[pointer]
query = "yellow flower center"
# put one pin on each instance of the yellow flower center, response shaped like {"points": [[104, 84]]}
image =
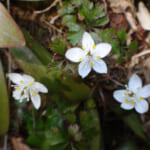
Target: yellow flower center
{"points": [[18, 88], [33, 93], [132, 102], [93, 46], [31, 84], [84, 48], [21, 81], [126, 100], [138, 88], [125, 94], [141, 97], [91, 63], [128, 90], [80, 59], [98, 57]]}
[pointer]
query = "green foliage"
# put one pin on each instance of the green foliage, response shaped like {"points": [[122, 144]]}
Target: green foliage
{"points": [[58, 45], [4, 104], [122, 35], [75, 37], [11, 35]]}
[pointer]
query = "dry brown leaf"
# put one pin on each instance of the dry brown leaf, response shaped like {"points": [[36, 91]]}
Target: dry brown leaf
{"points": [[143, 16], [131, 20], [119, 6], [18, 144]]}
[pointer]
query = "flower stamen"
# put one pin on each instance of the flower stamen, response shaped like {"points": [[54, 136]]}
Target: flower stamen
{"points": [[128, 90], [98, 57], [31, 84], [138, 88], [141, 97], [18, 88], [84, 48], [126, 100], [91, 63], [93, 46], [21, 81], [80, 59], [33, 93], [125, 94], [133, 103]]}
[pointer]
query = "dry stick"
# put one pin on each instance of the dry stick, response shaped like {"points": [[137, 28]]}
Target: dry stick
{"points": [[5, 142], [48, 8]]}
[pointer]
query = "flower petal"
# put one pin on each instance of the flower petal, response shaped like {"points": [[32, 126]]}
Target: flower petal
{"points": [[75, 54], [127, 106], [87, 41], [141, 106], [84, 68], [99, 66], [28, 78], [119, 95], [40, 87], [135, 83], [15, 77], [17, 94], [36, 99], [145, 91], [101, 50]]}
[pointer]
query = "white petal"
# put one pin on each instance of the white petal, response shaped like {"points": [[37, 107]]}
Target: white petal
{"points": [[119, 95], [102, 50], [75, 54], [141, 106], [36, 99], [145, 91], [17, 94], [127, 106], [28, 78], [87, 41], [15, 77], [84, 68], [100, 66], [134, 83], [40, 87]]}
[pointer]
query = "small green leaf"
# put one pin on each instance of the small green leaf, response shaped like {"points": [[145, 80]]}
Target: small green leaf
{"points": [[74, 27], [10, 34], [58, 45], [133, 46], [4, 104], [116, 47], [101, 21], [122, 35], [68, 19], [75, 38], [76, 2]]}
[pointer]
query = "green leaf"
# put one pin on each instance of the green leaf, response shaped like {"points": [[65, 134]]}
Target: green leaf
{"points": [[122, 35], [116, 47], [68, 19], [75, 38], [38, 50], [54, 136], [66, 9], [4, 104], [74, 27], [76, 2], [133, 46], [132, 120], [10, 33], [101, 21], [58, 45]]}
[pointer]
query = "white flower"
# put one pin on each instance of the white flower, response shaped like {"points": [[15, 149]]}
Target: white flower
{"points": [[89, 56], [26, 88], [134, 95]]}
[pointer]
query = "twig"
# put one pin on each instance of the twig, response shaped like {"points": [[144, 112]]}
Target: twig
{"points": [[5, 142], [48, 8], [117, 82]]}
